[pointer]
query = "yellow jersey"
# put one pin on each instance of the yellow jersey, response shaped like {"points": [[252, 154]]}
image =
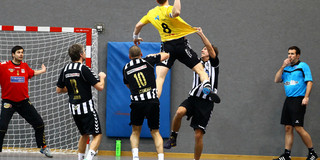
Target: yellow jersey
{"points": [[169, 28]]}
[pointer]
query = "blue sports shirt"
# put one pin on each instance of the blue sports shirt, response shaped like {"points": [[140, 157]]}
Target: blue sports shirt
{"points": [[295, 79]]}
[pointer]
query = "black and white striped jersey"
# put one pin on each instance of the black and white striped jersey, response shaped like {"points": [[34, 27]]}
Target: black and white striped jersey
{"points": [[211, 67], [139, 75], [82, 108], [78, 78]]}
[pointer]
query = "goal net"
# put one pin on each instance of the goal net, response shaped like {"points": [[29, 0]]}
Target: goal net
{"points": [[48, 46]]}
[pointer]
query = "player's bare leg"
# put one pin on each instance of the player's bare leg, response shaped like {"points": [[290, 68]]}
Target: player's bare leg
{"points": [[134, 140], [176, 123], [198, 146], [161, 72], [82, 146], [95, 142], [158, 142], [288, 137]]}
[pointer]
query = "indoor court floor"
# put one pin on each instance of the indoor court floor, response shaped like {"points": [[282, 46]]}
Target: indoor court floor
{"points": [[39, 156]]}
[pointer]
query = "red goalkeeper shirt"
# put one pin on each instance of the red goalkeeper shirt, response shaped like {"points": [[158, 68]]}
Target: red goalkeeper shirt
{"points": [[14, 80]]}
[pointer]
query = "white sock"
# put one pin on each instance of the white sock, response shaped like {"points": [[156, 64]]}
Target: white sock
{"points": [[160, 156], [80, 156], [90, 154], [135, 153]]}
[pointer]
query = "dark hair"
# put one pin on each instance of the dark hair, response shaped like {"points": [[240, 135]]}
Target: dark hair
{"points": [[75, 51], [295, 48], [15, 48], [134, 51], [214, 48], [161, 1]]}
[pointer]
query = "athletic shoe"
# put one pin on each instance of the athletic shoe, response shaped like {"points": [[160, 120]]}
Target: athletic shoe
{"points": [[207, 90], [283, 157], [135, 158], [172, 142], [312, 156], [46, 152]]}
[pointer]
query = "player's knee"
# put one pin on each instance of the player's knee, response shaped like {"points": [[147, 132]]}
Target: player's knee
{"points": [[198, 136], [299, 129], [181, 112], [288, 128]]}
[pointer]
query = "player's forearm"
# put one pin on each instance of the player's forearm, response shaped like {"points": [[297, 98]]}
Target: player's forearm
{"points": [[308, 90], [37, 72], [208, 45], [61, 90], [100, 85], [277, 77], [176, 8], [138, 28]]}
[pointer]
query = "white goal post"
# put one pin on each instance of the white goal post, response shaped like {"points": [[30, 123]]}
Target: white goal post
{"points": [[49, 46]]}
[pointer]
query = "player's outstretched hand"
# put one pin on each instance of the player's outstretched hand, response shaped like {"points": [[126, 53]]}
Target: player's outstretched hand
{"points": [[43, 68], [137, 41], [199, 29]]}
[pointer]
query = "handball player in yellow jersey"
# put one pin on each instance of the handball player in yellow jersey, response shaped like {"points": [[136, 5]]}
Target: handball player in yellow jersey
{"points": [[173, 29]]}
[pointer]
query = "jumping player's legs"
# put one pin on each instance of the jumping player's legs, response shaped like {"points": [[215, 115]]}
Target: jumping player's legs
{"points": [[176, 123], [200, 71], [198, 146], [161, 72]]}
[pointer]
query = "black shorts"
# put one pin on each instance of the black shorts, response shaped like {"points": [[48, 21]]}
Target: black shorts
{"points": [[88, 123], [200, 110], [293, 112], [149, 110], [181, 50], [24, 108]]}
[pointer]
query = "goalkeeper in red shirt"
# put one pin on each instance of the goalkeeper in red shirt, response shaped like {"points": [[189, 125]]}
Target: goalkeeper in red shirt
{"points": [[14, 76]]}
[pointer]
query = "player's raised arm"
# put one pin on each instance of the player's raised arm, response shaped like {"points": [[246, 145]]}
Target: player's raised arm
{"points": [[206, 42], [136, 33], [100, 85], [42, 70], [176, 8]]}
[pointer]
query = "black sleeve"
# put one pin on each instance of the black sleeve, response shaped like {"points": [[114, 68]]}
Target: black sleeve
{"points": [[60, 82], [153, 59], [89, 75], [214, 61], [125, 81]]}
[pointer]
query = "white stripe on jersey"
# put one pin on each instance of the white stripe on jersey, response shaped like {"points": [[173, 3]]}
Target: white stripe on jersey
{"points": [[142, 97], [85, 108], [91, 105], [82, 108], [197, 86], [77, 108], [75, 65], [137, 61], [149, 95], [152, 94]]}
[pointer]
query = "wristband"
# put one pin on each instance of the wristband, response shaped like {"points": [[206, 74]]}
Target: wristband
{"points": [[136, 36]]}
